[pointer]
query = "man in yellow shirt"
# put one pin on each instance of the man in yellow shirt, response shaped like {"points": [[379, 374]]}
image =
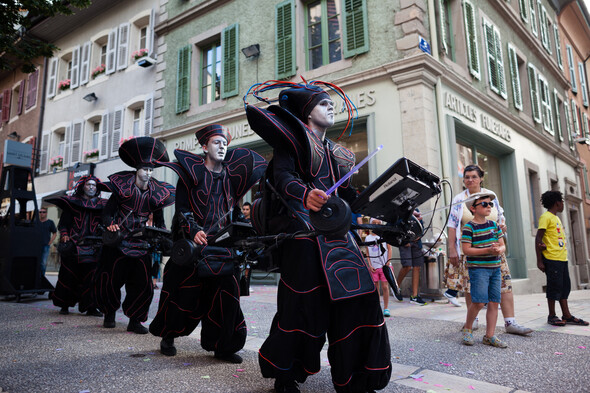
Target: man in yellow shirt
{"points": [[552, 259]]}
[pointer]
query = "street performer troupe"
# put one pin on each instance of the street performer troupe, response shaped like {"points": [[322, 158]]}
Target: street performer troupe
{"points": [[326, 288], [79, 222], [206, 290], [135, 194]]}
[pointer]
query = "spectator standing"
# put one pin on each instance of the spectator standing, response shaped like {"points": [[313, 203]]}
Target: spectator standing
{"points": [[49, 231], [378, 256], [455, 273], [412, 259], [551, 250], [483, 244]]}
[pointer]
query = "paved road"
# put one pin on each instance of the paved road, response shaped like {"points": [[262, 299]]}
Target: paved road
{"points": [[42, 351]]}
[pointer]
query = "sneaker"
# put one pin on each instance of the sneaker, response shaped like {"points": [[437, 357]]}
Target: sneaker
{"points": [[417, 300], [453, 300], [467, 337], [515, 328], [386, 313], [494, 342]]}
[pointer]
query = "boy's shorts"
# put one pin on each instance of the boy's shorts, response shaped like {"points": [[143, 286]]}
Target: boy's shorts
{"points": [[411, 256], [485, 284], [378, 275], [558, 279]]}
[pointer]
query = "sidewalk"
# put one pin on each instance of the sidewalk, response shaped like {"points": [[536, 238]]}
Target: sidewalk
{"points": [[43, 351]]}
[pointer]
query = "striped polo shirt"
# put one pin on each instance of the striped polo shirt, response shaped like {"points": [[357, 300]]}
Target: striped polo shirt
{"points": [[482, 236]]}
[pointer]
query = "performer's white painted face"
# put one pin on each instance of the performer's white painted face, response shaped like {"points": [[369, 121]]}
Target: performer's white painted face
{"points": [[144, 174], [90, 188], [216, 148], [322, 114]]}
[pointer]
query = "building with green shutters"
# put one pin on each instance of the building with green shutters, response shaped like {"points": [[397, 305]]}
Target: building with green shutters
{"points": [[443, 82]]}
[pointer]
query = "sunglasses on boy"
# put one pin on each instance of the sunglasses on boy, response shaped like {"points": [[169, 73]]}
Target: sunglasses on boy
{"points": [[484, 204]]}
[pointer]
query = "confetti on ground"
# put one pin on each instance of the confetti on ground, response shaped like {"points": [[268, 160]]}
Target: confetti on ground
{"points": [[470, 372], [240, 370], [559, 353], [446, 364], [438, 385], [416, 376], [474, 353], [411, 349], [518, 352], [84, 391], [59, 349], [234, 375], [581, 347], [186, 364], [471, 387], [205, 377], [146, 359]]}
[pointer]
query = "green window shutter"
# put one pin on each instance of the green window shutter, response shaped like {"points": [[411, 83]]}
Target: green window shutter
{"points": [[229, 66], [500, 64], [575, 118], [523, 9], [533, 87], [533, 17], [183, 79], [285, 40], [556, 106], [471, 38], [491, 57], [558, 46], [355, 26], [515, 77]]}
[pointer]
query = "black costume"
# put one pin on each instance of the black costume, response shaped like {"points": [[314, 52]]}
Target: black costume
{"points": [[130, 263], [325, 287], [203, 198], [80, 218]]}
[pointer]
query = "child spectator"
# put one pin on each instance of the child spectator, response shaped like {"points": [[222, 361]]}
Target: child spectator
{"points": [[552, 259], [378, 256], [482, 244]]}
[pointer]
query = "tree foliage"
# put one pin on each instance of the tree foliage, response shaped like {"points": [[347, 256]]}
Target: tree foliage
{"points": [[18, 47]]}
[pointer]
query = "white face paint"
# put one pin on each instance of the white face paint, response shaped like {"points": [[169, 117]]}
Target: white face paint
{"points": [[90, 188], [322, 115], [216, 148]]}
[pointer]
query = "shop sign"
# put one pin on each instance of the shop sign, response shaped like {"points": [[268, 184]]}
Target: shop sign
{"points": [[237, 132], [360, 100], [469, 112]]}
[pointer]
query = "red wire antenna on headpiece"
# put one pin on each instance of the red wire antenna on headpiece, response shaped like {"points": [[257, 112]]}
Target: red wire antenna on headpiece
{"points": [[257, 89]]}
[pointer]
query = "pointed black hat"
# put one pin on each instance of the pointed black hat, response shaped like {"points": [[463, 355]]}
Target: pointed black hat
{"points": [[205, 133], [300, 101], [143, 151]]}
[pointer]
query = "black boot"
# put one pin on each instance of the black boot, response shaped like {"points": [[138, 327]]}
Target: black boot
{"points": [[167, 347], [109, 320], [136, 327], [93, 312], [229, 357], [286, 386], [64, 311]]}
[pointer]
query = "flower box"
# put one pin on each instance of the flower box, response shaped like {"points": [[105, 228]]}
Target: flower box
{"points": [[98, 70], [138, 54], [56, 162], [91, 155], [123, 140], [64, 85]]}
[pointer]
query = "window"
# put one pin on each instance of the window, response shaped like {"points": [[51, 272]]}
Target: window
{"points": [[143, 38], [544, 26], [495, 59], [570, 61], [583, 87], [323, 35], [515, 77], [5, 101], [136, 122], [210, 73], [535, 196], [32, 90], [534, 90], [471, 38], [446, 29], [95, 135], [586, 183], [568, 125], [546, 104], [533, 17], [558, 110], [229, 67], [52, 78], [558, 46], [103, 55], [17, 98], [585, 125], [575, 118]]}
